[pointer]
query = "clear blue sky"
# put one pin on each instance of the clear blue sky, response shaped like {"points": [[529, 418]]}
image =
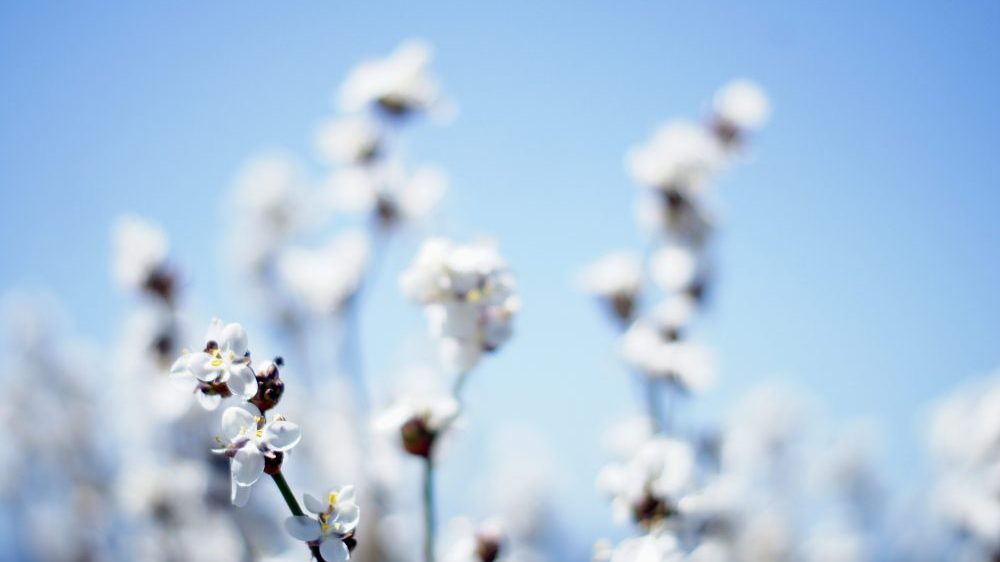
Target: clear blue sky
{"points": [[859, 255]]}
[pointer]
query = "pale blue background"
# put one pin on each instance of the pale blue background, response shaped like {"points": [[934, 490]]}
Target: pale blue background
{"points": [[859, 254]]}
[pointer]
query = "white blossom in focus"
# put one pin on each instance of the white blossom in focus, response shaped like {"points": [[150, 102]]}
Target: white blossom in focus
{"points": [[141, 249], [326, 278], [248, 440], [741, 104], [397, 84], [679, 156], [333, 520], [225, 360]]}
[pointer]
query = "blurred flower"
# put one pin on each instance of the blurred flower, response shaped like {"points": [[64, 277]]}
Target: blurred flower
{"points": [[326, 278], [418, 418], [348, 140], [249, 441], [464, 542], [615, 279], [739, 106], [223, 368], [655, 547], [680, 156], [141, 249], [655, 352], [468, 295], [674, 267], [335, 520], [648, 486], [387, 192], [397, 84]]}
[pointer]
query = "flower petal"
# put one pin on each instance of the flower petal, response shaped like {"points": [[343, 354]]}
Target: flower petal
{"points": [[247, 464], [345, 494], [281, 435], [242, 381], [209, 401], [204, 367], [233, 338], [347, 515], [303, 528], [237, 421], [334, 550], [313, 505], [214, 332], [239, 495]]}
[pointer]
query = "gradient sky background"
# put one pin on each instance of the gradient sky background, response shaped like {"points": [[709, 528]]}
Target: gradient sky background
{"points": [[858, 256]]}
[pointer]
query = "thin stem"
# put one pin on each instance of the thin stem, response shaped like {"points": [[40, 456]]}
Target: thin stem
{"points": [[428, 510], [653, 407], [286, 493]]}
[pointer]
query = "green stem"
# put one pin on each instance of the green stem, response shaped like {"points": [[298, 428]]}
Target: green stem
{"points": [[286, 493], [429, 510]]}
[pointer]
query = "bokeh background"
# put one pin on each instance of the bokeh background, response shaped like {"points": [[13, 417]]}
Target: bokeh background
{"points": [[857, 258]]}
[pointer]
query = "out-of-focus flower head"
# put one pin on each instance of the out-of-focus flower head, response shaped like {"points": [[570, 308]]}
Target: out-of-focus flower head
{"points": [[739, 106], [675, 267], [326, 278], [648, 486], [653, 547], [679, 157], [469, 296], [140, 257], [656, 352], [418, 416], [221, 369], [763, 426], [349, 140], [388, 192], [397, 85], [253, 445], [616, 280], [465, 542], [331, 526]]}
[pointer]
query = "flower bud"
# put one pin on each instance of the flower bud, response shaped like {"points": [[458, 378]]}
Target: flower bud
{"points": [[272, 462], [270, 387], [418, 438]]}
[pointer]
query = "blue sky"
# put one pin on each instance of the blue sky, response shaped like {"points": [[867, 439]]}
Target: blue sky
{"points": [[859, 251]]}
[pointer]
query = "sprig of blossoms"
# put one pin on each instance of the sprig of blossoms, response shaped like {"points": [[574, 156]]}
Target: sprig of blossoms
{"points": [[257, 444]]}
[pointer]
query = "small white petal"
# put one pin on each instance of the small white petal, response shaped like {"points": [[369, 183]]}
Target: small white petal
{"points": [[239, 495], [233, 338], [334, 550], [347, 515], [242, 381], [282, 435], [247, 465], [346, 494], [303, 528], [209, 401], [237, 421], [313, 505], [214, 332], [204, 367]]}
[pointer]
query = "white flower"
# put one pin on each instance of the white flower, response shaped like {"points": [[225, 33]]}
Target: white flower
{"points": [[656, 547], [326, 278], [742, 104], [398, 84], [616, 275], [674, 267], [225, 361], [649, 486], [248, 440], [469, 297], [335, 519], [348, 140], [679, 156], [140, 251], [654, 353], [388, 191], [464, 542]]}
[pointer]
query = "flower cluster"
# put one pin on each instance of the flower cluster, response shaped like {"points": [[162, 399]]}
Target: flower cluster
{"points": [[257, 443], [469, 297]]}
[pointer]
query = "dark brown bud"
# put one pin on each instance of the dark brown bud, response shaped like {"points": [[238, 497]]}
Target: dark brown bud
{"points": [[418, 438], [650, 510], [387, 212], [487, 548], [162, 284], [394, 106], [622, 307], [270, 387]]}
